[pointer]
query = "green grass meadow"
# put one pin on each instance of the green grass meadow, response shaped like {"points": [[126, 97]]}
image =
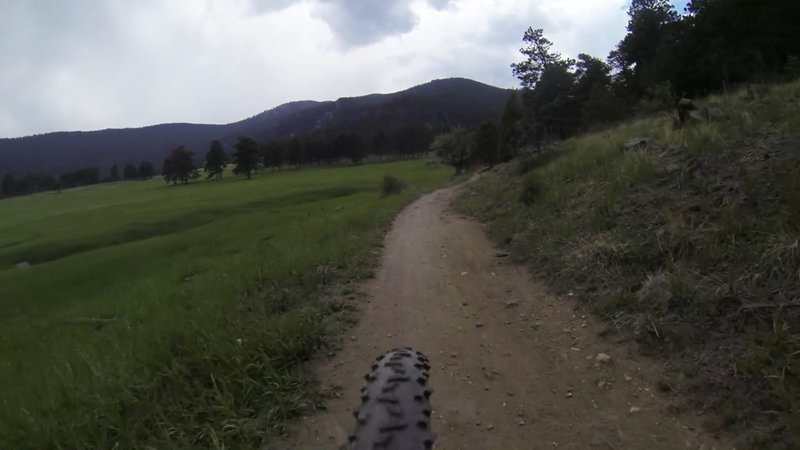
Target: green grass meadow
{"points": [[180, 316]]}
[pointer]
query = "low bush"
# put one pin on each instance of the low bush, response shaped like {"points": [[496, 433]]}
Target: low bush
{"points": [[391, 185]]}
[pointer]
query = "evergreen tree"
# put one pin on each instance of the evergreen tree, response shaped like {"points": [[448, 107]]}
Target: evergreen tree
{"points": [[509, 132], [602, 106], [274, 155], [9, 185], [295, 152], [179, 167], [129, 172], [216, 159], [486, 143], [538, 57], [146, 169], [246, 157], [349, 146], [555, 113], [380, 144], [590, 72], [80, 177]]}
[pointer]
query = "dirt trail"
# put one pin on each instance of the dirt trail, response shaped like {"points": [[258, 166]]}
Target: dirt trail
{"points": [[505, 375]]}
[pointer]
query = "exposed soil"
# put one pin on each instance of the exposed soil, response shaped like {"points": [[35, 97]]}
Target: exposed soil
{"points": [[514, 366]]}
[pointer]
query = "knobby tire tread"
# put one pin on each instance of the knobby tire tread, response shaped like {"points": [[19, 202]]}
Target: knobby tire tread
{"points": [[395, 405]]}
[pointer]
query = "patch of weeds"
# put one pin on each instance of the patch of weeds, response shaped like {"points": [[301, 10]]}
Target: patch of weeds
{"points": [[656, 293], [532, 186], [776, 361], [391, 185], [789, 185], [746, 121], [659, 97], [530, 161], [703, 138]]}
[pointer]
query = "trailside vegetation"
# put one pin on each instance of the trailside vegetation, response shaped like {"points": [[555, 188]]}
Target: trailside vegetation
{"points": [[685, 240], [681, 225]]}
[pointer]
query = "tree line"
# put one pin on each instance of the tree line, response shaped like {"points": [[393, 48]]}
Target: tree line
{"points": [[665, 56], [32, 183], [663, 59], [490, 143], [249, 156]]}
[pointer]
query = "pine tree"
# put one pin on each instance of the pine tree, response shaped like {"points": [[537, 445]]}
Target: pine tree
{"points": [[9, 185], [146, 169], [179, 167], [129, 172], [245, 157], [509, 132], [486, 143], [216, 159]]}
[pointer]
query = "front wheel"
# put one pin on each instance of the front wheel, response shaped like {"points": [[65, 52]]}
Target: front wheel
{"points": [[395, 405]]}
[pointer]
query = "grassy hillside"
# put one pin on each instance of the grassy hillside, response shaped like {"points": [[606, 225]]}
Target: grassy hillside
{"points": [[180, 316], [687, 242]]}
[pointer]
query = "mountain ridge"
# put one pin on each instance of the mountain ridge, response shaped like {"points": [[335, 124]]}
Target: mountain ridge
{"points": [[435, 105]]}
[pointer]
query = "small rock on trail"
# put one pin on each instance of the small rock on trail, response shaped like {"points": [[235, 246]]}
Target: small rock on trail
{"points": [[603, 358]]}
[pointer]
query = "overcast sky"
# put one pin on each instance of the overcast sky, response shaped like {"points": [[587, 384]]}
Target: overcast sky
{"points": [[93, 64]]}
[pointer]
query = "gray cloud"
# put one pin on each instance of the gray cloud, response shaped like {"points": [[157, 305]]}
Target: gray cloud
{"points": [[90, 64], [362, 22], [269, 6], [439, 4], [48, 46]]}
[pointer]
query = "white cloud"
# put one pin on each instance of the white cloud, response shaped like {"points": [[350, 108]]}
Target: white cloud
{"points": [[84, 64]]}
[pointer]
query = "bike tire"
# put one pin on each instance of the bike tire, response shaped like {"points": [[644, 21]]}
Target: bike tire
{"points": [[395, 405]]}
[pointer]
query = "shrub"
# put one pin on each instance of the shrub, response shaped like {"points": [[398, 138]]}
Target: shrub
{"points": [[532, 186], [391, 185]]}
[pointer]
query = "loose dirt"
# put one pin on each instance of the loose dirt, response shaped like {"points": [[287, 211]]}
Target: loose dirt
{"points": [[514, 366]]}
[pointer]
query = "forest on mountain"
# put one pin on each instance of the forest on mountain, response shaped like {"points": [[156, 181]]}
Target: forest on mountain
{"points": [[398, 124]]}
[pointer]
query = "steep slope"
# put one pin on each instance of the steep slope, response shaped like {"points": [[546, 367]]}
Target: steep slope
{"points": [[434, 105], [686, 241]]}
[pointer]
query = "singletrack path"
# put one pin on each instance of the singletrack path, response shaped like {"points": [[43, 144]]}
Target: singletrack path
{"points": [[513, 366]]}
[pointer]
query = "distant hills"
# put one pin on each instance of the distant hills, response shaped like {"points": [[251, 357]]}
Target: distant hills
{"points": [[435, 106]]}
